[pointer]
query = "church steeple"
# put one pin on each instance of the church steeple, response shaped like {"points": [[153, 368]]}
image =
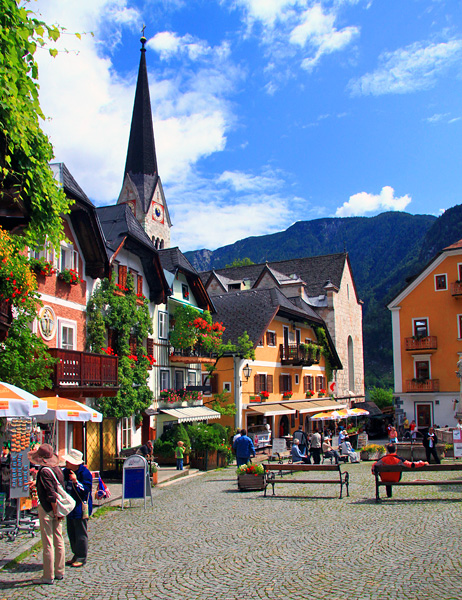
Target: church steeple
{"points": [[142, 187], [141, 153]]}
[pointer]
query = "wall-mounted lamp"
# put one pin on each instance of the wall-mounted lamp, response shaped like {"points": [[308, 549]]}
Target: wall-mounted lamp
{"points": [[247, 372]]}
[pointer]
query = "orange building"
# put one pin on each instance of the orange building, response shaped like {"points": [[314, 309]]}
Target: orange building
{"points": [[427, 342], [289, 379]]}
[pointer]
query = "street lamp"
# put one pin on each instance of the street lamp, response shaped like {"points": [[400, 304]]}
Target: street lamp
{"points": [[247, 372]]}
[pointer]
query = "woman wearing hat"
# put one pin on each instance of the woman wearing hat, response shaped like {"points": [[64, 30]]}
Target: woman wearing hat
{"points": [[51, 526], [78, 484]]}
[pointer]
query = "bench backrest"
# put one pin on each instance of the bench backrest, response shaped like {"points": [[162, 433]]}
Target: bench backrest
{"points": [[300, 467], [428, 468]]}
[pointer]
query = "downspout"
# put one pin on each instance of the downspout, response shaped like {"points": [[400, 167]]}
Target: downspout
{"points": [[238, 366]]}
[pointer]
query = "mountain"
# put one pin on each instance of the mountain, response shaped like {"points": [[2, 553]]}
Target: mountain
{"points": [[384, 251]]}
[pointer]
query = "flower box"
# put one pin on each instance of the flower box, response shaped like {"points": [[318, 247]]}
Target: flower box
{"points": [[247, 482]]}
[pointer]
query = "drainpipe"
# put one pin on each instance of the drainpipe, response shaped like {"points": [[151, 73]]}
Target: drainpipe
{"points": [[238, 366]]}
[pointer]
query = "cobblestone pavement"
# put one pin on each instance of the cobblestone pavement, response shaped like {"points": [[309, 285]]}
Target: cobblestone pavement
{"points": [[205, 540]]}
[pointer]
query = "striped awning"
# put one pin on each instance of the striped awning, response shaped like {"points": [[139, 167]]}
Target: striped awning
{"points": [[190, 414], [315, 406], [270, 410]]}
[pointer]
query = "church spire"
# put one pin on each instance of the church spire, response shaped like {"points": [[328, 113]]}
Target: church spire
{"points": [[141, 153]]}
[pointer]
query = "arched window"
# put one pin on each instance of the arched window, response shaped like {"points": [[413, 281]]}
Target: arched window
{"points": [[161, 244], [351, 365]]}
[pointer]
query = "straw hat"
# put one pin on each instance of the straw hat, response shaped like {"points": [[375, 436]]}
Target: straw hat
{"points": [[44, 456], [75, 457]]}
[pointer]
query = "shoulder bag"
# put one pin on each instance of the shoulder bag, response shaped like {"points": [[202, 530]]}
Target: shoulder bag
{"points": [[65, 503]]}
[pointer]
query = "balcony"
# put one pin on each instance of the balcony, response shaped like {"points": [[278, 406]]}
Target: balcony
{"points": [[189, 356], [84, 374], [171, 398], [297, 354], [456, 289], [427, 343], [426, 385]]}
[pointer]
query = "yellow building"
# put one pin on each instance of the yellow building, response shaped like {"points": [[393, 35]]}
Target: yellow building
{"points": [[274, 389], [427, 342]]}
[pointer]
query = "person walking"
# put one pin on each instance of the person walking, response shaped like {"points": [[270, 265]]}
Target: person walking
{"points": [[315, 448], [243, 448], [179, 453], [300, 435], [429, 442], [78, 481], [51, 526]]}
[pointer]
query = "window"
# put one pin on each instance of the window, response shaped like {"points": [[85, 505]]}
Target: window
{"points": [[261, 342], [308, 383], [191, 377], [69, 258], [263, 383], [227, 386], [212, 383], [164, 379], [351, 364], [320, 383], [45, 253], [163, 325], [67, 334], [459, 272], [179, 380], [441, 282], [185, 291], [297, 379], [127, 432], [422, 369], [285, 383], [271, 338], [459, 326], [420, 328]]}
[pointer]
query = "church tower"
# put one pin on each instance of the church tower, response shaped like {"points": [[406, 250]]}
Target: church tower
{"points": [[142, 187]]}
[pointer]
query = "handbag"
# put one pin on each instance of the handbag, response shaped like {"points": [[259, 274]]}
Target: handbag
{"points": [[65, 503], [85, 507]]}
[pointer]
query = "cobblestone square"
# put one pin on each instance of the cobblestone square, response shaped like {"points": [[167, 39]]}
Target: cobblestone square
{"points": [[203, 539]]}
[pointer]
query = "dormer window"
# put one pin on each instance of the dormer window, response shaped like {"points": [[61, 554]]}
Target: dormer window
{"points": [[185, 290]]}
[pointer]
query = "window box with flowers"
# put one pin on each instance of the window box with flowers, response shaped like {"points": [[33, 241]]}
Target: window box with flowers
{"points": [[321, 393], [250, 477], [69, 276], [288, 394], [264, 395], [309, 394], [42, 267]]}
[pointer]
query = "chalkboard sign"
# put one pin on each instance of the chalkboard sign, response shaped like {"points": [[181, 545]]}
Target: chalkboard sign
{"points": [[135, 483]]}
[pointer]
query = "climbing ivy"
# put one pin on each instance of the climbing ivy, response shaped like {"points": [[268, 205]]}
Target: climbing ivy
{"points": [[122, 313], [326, 352], [26, 179]]}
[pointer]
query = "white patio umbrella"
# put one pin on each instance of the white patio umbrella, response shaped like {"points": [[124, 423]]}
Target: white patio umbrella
{"points": [[64, 409], [15, 402]]}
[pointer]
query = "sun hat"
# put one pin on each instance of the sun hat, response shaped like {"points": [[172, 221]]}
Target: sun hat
{"points": [[44, 456], [75, 457]]}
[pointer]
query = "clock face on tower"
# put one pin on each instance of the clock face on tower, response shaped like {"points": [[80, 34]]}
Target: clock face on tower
{"points": [[158, 212]]}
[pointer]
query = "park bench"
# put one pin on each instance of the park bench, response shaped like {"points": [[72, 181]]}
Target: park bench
{"points": [[271, 470], [446, 468]]}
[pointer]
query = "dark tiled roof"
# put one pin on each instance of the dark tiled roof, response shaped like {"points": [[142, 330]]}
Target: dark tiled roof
{"points": [[117, 222], [70, 185], [253, 311], [173, 259], [315, 271]]}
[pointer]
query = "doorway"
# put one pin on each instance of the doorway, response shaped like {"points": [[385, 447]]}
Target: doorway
{"points": [[423, 415]]}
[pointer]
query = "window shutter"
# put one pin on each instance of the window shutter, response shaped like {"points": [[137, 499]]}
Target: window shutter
{"points": [[214, 383], [305, 383], [289, 380], [139, 284], [269, 384], [281, 383], [122, 275], [268, 338], [257, 384], [150, 347]]}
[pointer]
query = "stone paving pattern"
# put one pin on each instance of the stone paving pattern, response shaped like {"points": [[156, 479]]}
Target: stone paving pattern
{"points": [[203, 539]]}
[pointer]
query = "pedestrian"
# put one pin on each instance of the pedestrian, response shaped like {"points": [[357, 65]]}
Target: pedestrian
{"points": [[51, 526], [315, 448], [243, 448], [146, 449], [413, 430], [406, 427], [392, 434], [429, 442], [297, 455], [391, 458], [300, 435], [459, 424], [179, 453], [78, 481]]}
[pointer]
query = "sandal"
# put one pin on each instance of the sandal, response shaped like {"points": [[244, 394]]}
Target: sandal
{"points": [[77, 564]]}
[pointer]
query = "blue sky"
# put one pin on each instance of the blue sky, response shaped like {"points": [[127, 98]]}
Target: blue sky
{"points": [[266, 112]]}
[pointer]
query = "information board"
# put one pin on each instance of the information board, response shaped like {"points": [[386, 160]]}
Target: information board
{"points": [[19, 474], [135, 479], [457, 441]]}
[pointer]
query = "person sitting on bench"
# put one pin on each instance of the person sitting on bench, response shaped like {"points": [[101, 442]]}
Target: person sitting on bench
{"points": [[329, 452], [391, 458], [347, 450], [297, 456]]}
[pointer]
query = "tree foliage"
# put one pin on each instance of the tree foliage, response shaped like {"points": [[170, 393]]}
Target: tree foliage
{"points": [[381, 396], [241, 262], [128, 320], [26, 180]]}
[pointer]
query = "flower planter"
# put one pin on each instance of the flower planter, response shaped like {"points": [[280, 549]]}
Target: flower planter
{"points": [[366, 455], [155, 478], [248, 482]]}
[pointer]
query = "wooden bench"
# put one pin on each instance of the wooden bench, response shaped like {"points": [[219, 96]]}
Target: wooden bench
{"points": [[446, 468], [271, 479]]}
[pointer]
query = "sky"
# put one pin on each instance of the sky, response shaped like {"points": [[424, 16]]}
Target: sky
{"points": [[266, 112]]}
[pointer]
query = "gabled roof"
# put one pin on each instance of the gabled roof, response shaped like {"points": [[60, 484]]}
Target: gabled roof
{"points": [[174, 261], [85, 223], [280, 278], [122, 230], [315, 271]]}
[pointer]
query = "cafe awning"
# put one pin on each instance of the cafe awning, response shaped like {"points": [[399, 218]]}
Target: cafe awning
{"points": [[314, 406], [190, 414], [270, 410], [63, 409]]}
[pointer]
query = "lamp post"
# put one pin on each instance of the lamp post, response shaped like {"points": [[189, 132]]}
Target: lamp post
{"points": [[247, 371]]}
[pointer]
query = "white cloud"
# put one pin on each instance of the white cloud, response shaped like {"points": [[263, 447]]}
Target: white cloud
{"points": [[268, 11], [248, 182], [416, 67], [169, 44], [363, 203], [90, 105]]}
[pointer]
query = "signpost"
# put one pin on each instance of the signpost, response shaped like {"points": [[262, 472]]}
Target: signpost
{"points": [[135, 480], [457, 440]]}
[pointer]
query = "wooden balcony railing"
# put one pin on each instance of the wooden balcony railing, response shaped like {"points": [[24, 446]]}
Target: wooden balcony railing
{"points": [[456, 289], [428, 385], [84, 370], [197, 354], [296, 354], [425, 343]]}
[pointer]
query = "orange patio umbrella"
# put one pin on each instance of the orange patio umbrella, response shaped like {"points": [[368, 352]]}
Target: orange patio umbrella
{"points": [[64, 409]]}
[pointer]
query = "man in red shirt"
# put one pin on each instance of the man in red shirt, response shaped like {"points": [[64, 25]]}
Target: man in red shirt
{"points": [[391, 458]]}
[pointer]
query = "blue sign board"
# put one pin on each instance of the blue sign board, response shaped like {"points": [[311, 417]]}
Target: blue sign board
{"points": [[135, 483]]}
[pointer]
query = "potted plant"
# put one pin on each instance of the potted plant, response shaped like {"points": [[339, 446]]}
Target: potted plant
{"points": [[321, 393], [250, 477], [372, 452], [309, 394], [42, 266], [264, 395], [154, 473], [449, 450], [286, 395]]}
